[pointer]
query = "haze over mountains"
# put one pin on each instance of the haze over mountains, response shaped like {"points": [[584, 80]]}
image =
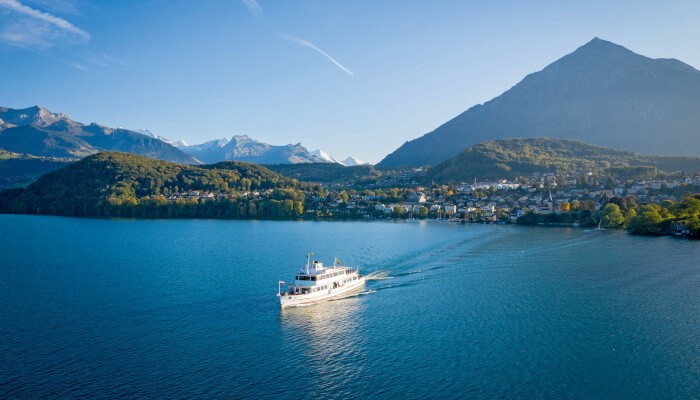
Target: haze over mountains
{"points": [[602, 93]]}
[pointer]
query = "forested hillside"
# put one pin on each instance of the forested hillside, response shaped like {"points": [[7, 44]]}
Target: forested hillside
{"points": [[511, 158], [114, 183], [326, 172]]}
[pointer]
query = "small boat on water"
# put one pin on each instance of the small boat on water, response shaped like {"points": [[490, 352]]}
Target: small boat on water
{"points": [[315, 283]]}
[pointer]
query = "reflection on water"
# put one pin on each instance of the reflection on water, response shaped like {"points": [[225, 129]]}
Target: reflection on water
{"points": [[325, 336]]}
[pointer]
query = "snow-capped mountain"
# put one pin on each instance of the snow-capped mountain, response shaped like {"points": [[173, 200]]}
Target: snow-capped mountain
{"points": [[244, 148], [148, 133], [324, 156], [348, 162], [352, 161]]}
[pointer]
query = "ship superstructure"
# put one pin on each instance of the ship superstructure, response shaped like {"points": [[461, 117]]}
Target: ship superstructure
{"points": [[315, 282]]}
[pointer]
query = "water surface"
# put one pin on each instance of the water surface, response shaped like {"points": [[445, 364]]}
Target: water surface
{"points": [[187, 308]]}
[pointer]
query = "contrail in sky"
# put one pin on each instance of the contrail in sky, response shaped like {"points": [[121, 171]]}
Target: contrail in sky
{"points": [[52, 19], [312, 46]]}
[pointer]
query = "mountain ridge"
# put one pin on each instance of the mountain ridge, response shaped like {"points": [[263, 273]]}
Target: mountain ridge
{"points": [[247, 149], [39, 132], [601, 93]]}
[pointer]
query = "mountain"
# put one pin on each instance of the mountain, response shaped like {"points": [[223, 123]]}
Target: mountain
{"points": [[602, 93], [324, 156], [34, 116], [243, 148], [148, 133], [111, 183], [39, 132], [353, 161], [511, 158]]}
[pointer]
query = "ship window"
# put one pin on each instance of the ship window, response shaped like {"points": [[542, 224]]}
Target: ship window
{"points": [[313, 278]]}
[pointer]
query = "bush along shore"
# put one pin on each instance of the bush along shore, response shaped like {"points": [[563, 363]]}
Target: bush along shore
{"points": [[668, 218]]}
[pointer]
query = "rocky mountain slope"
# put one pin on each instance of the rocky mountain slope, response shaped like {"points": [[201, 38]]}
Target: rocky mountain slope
{"points": [[39, 132]]}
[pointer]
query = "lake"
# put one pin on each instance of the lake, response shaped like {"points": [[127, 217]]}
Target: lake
{"points": [[95, 308]]}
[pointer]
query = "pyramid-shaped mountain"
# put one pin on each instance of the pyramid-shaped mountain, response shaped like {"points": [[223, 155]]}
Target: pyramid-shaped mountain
{"points": [[602, 93]]}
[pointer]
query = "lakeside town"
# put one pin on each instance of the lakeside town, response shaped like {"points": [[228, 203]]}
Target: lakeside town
{"points": [[498, 201]]}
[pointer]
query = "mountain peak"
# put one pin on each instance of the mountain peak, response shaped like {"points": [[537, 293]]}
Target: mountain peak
{"points": [[353, 161], [601, 93], [35, 116], [37, 131], [324, 156], [598, 46]]}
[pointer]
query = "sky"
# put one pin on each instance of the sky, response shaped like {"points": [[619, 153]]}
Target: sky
{"points": [[350, 77]]}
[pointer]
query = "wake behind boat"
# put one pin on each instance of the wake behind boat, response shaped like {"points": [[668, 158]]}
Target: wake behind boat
{"points": [[316, 282]]}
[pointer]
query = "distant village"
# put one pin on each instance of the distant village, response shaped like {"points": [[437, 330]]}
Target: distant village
{"points": [[493, 201]]}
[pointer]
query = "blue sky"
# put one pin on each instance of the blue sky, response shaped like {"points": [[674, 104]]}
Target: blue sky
{"points": [[350, 77]]}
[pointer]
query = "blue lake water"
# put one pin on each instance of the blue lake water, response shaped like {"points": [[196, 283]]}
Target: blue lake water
{"points": [[94, 308]]}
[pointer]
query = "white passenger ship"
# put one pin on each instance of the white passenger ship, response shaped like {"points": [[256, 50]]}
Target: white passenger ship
{"points": [[316, 282]]}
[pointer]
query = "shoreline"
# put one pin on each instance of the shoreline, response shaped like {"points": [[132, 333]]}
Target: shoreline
{"points": [[352, 219]]}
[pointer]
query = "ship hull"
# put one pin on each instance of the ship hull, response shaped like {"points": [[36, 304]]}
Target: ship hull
{"points": [[302, 300]]}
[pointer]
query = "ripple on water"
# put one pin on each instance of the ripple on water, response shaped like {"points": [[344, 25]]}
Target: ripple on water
{"points": [[183, 309]]}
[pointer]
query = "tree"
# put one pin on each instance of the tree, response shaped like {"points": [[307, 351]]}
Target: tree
{"points": [[423, 212], [629, 215], [588, 205], [693, 224], [298, 208], [565, 206], [646, 223], [287, 208], [667, 204], [611, 216], [246, 184], [561, 180], [620, 201]]}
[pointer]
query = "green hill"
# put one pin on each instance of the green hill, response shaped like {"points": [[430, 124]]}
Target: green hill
{"points": [[110, 179], [20, 169], [326, 172], [510, 158]]}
